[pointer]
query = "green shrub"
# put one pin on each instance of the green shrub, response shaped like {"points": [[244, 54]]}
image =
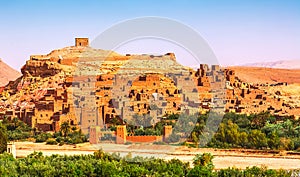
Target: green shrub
{"points": [[42, 137], [51, 142], [59, 139]]}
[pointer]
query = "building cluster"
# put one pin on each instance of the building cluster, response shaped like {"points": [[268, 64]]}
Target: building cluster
{"points": [[93, 88]]}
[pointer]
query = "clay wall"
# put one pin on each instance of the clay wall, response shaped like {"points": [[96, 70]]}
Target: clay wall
{"points": [[143, 139]]}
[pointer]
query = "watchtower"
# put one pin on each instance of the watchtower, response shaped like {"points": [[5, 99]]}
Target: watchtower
{"points": [[95, 134], [121, 134], [84, 42], [167, 132]]}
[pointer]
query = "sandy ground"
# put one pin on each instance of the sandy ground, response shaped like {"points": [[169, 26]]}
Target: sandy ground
{"points": [[223, 158]]}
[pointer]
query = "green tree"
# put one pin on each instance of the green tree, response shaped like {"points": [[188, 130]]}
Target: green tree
{"points": [[15, 122], [243, 139], [65, 128], [3, 138], [273, 140], [257, 139], [259, 120], [203, 165], [228, 133], [8, 165], [195, 138]]}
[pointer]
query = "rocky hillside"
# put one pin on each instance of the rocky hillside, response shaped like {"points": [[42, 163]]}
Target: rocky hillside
{"points": [[7, 74]]}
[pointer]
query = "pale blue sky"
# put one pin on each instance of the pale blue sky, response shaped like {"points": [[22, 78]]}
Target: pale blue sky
{"points": [[238, 31]]}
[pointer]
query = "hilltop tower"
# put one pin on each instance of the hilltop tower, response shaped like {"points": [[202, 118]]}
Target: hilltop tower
{"points": [[84, 42]]}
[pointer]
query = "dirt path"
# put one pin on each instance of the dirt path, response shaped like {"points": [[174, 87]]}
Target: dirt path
{"points": [[223, 158]]}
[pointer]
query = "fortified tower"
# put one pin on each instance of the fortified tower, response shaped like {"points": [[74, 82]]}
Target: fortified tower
{"points": [[121, 134], [95, 134], [167, 132], [84, 42]]}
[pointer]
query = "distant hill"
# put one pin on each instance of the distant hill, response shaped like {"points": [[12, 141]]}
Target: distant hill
{"points": [[284, 64], [266, 75], [7, 73]]}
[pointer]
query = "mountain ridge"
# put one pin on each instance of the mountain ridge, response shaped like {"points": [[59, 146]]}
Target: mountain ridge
{"points": [[280, 64], [7, 73]]}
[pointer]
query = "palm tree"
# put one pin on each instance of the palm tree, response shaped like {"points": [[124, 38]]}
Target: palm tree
{"points": [[65, 128]]}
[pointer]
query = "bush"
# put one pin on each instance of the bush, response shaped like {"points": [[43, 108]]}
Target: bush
{"points": [[229, 172], [76, 140], [204, 160], [59, 139], [57, 134], [42, 137], [297, 144], [18, 135], [200, 171], [51, 142]]}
